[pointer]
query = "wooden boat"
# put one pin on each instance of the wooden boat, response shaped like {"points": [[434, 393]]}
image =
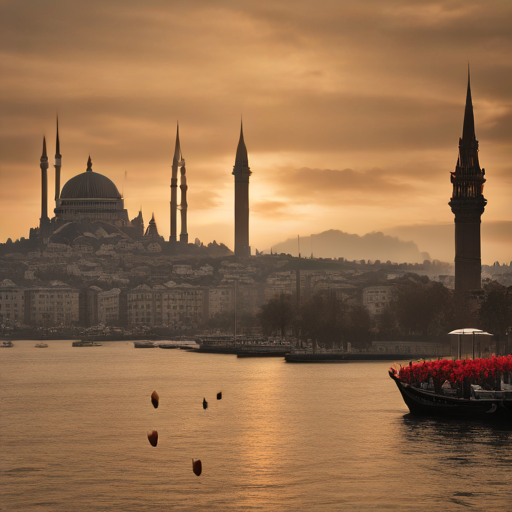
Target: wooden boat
{"points": [[487, 405]]}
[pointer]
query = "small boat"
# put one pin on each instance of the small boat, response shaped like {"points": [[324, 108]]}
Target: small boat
{"points": [[86, 343], [41, 345], [144, 344], [6, 344]]}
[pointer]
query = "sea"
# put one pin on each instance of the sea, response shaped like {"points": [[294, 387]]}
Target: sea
{"points": [[284, 437]]}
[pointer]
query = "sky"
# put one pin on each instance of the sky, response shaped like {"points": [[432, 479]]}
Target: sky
{"points": [[352, 111]]}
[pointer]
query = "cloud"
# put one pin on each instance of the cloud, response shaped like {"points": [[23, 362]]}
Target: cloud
{"points": [[330, 185], [272, 209]]}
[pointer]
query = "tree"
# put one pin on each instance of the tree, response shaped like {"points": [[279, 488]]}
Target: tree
{"points": [[322, 320], [496, 310], [358, 324], [276, 315], [421, 307]]}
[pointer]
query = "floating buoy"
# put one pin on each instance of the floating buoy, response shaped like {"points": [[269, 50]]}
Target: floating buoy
{"points": [[153, 437], [197, 467], [154, 399], [219, 395], [205, 403]]}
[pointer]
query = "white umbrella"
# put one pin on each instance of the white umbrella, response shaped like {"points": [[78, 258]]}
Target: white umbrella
{"points": [[468, 330]]}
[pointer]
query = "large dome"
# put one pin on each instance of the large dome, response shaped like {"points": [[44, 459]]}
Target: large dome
{"points": [[90, 184]]}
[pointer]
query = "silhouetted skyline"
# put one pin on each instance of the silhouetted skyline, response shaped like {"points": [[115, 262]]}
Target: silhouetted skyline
{"points": [[351, 111]]}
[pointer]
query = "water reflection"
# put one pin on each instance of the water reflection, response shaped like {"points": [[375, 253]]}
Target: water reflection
{"points": [[471, 455]]}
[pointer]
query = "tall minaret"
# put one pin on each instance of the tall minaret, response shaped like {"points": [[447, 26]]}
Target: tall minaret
{"points": [[241, 172], [174, 185], [44, 221], [468, 204], [183, 205], [57, 166]]}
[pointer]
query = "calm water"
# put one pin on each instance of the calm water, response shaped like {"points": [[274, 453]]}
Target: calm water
{"points": [[289, 437]]}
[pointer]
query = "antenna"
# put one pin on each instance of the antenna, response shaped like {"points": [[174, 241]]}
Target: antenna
{"points": [[298, 244]]}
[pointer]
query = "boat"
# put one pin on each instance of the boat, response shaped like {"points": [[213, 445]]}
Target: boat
{"points": [[422, 402], [144, 344], [41, 345], [243, 346], [86, 343], [6, 344], [468, 388]]}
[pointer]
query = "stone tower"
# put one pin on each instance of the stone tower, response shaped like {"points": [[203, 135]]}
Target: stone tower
{"points": [[241, 172], [468, 204]]}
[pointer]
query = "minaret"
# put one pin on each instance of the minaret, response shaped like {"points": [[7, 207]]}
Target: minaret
{"points": [[57, 166], [183, 205], [44, 221], [468, 204], [241, 172], [174, 185]]}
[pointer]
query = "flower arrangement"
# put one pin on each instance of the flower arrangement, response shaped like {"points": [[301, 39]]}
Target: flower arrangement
{"points": [[483, 372]]}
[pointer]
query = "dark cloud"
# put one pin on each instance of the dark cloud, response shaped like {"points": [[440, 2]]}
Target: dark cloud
{"points": [[344, 103]]}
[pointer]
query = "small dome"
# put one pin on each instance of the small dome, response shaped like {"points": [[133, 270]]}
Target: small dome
{"points": [[90, 184]]}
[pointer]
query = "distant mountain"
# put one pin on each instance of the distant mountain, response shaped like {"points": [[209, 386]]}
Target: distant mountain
{"points": [[337, 244]]}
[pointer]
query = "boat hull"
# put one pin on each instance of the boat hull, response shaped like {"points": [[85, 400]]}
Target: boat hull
{"points": [[424, 403]]}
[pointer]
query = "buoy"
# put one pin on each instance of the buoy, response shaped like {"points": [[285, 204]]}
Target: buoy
{"points": [[197, 467], [205, 403], [153, 437], [219, 395], [154, 399]]}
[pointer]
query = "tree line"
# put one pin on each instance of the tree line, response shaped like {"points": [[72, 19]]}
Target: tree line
{"points": [[419, 309]]}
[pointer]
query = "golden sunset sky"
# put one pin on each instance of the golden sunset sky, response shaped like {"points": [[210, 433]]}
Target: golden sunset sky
{"points": [[352, 111]]}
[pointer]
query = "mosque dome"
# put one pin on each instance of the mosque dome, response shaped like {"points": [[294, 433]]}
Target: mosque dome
{"points": [[89, 184]]}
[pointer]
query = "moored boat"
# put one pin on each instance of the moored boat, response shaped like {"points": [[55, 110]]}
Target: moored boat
{"points": [[41, 345], [86, 343], [144, 344], [6, 344], [472, 389]]}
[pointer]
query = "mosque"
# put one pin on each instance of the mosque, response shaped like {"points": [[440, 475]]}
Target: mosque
{"points": [[89, 202]]}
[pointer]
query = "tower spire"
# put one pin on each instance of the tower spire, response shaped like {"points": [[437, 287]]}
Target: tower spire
{"points": [[57, 142], [58, 164], [44, 221], [468, 129], [174, 184], [241, 158]]}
